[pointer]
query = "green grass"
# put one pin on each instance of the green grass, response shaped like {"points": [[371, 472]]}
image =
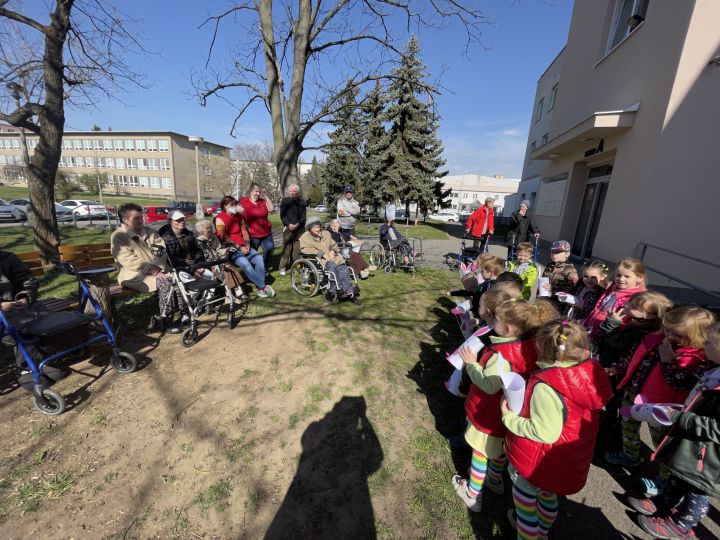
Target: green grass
{"points": [[216, 496], [20, 238], [32, 494], [257, 497], [239, 450]]}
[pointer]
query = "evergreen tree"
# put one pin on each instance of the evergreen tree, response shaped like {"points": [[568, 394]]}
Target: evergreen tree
{"points": [[375, 150], [414, 153], [342, 166]]}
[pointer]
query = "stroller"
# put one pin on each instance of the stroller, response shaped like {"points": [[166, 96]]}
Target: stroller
{"points": [[467, 254], [52, 336], [207, 294]]}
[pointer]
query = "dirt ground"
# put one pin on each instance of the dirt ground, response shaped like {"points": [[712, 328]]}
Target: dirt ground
{"points": [[325, 422]]}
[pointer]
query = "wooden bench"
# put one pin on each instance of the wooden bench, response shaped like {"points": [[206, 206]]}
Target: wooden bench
{"points": [[34, 263]]}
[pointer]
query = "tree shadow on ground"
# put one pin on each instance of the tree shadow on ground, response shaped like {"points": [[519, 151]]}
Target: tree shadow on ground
{"points": [[329, 495]]}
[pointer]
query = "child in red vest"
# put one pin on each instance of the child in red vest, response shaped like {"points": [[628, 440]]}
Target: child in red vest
{"points": [[629, 279], [663, 369], [512, 350], [550, 443], [691, 454]]}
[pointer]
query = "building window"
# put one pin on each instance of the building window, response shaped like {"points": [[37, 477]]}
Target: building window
{"points": [[120, 163], [122, 180], [16, 144], [143, 181], [69, 161], [163, 145], [142, 164], [98, 144], [87, 144], [553, 97], [110, 163], [205, 151], [545, 139], [89, 162], [154, 182], [132, 163], [67, 144], [101, 163], [152, 145], [152, 164], [166, 183], [77, 144], [628, 16], [119, 146], [111, 179], [533, 146], [164, 165], [140, 145], [129, 144], [541, 103], [133, 181], [107, 144]]}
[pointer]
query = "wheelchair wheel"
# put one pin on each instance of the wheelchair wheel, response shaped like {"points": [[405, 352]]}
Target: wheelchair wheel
{"points": [[55, 404], [123, 362], [189, 337], [305, 278], [377, 256], [330, 297]]}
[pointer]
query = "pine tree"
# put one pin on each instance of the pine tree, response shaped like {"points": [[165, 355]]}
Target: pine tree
{"points": [[414, 153], [342, 166], [375, 150]]}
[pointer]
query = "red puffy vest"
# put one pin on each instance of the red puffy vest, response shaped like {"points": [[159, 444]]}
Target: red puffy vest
{"points": [[233, 227], [562, 467], [482, 409]]}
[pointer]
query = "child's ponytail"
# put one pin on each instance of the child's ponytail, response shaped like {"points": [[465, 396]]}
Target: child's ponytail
{"points": [[527, 318], [562, 341]]}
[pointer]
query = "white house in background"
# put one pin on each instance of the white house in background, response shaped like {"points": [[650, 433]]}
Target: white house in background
{"points": [[470, 190]]}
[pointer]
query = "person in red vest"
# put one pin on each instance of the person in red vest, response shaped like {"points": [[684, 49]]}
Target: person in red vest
{"points": [[481, 222], [257, 205], [512, 350], [550, 442]]}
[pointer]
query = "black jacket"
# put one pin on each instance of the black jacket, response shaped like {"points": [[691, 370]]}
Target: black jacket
{"points": [[522, 227], [293, 211], [182, 250], [16, 279]]}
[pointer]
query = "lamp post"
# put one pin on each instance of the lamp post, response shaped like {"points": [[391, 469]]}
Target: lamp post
{"points": [[199, 212]]}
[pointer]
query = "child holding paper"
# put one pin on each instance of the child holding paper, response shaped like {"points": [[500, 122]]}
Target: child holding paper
{"points": [[512, 350], [550, 442], [690, 452], [663, 369]]}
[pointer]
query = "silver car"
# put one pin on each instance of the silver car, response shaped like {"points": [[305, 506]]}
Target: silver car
{"points": [[10, 213], [63, 213]]}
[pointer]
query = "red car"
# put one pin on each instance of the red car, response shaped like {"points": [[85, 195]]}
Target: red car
{"points": [[151, 214], [211, 208]]}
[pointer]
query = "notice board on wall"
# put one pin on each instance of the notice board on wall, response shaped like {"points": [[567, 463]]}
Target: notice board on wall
{"points": [[551, 195]]}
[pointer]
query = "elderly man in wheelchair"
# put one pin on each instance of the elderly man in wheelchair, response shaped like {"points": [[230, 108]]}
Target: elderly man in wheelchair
{"points": [[394, 250], [323, 267]]}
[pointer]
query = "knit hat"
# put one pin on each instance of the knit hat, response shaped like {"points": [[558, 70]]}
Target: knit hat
{"points": [[312, 221], [561, 246], [525, 202]]}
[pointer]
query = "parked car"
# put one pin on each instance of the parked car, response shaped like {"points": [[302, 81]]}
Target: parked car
{"points": [[85, 209], [444, 215], [464, 216], [186, 207], [8, 212], [151, 214], [210, 209], [62, 213], [321, 208]]}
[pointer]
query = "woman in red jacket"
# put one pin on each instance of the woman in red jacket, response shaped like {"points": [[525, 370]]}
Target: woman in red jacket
{"points": [[257, 206], [481, 222]]}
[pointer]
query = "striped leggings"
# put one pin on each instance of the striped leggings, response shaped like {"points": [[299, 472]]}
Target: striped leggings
{"points": [[535, 509], [481, 468]]}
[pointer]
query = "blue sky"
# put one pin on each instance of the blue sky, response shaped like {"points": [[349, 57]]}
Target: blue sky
{"points": [[485, 105]]}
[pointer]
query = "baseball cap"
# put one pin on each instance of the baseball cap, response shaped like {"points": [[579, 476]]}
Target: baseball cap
{"points": [[175, 215], [560, 246], [347, 189]]}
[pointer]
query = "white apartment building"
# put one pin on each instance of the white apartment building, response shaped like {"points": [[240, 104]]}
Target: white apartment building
{"points": [[470, 190]]}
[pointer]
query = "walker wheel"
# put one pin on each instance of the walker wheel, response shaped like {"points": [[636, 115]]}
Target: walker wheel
{"points": [[124, 362], [189, 337], [54, 403]]}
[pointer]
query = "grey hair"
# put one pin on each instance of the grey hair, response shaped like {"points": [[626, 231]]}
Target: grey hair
{"points": [[200, 223], [334, 221], [292, 186]]}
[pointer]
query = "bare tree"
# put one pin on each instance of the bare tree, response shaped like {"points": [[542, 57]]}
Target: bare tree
{"points": [[76, 55], [253, 162], [353, 39]]}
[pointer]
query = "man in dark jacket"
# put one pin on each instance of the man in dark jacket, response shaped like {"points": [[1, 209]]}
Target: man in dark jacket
{"points": [[292, 214], [522, 225], [180, 244]]}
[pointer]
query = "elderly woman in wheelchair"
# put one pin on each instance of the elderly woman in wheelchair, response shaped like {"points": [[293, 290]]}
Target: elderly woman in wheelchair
{"points": [[394, 250], [323, 267]]}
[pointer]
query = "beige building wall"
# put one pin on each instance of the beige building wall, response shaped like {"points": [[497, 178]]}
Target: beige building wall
{"points": [[470, 190], [664, 182]]}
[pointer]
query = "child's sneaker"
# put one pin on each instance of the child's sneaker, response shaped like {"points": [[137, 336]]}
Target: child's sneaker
{"points": [[664, 528], [268, 291], [651, 486], [459, 484], [642, 506], [620, 458], [496, 487]]}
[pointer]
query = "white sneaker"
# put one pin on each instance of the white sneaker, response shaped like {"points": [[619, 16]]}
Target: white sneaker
{"points": [[474, 504], [267, 292], [270, 290], [364, 273], [282, 271]]}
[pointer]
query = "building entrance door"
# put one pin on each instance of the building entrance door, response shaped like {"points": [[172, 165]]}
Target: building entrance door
{"points": [[591, 210]]}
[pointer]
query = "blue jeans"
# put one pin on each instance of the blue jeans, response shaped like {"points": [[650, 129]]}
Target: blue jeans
{"points": [[267, 245], [252, 266]]}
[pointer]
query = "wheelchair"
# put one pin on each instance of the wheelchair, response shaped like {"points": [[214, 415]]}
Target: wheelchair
{"points": [[390, 259], [57, 335], [198, 297], [308, 278], [467, 254]]}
